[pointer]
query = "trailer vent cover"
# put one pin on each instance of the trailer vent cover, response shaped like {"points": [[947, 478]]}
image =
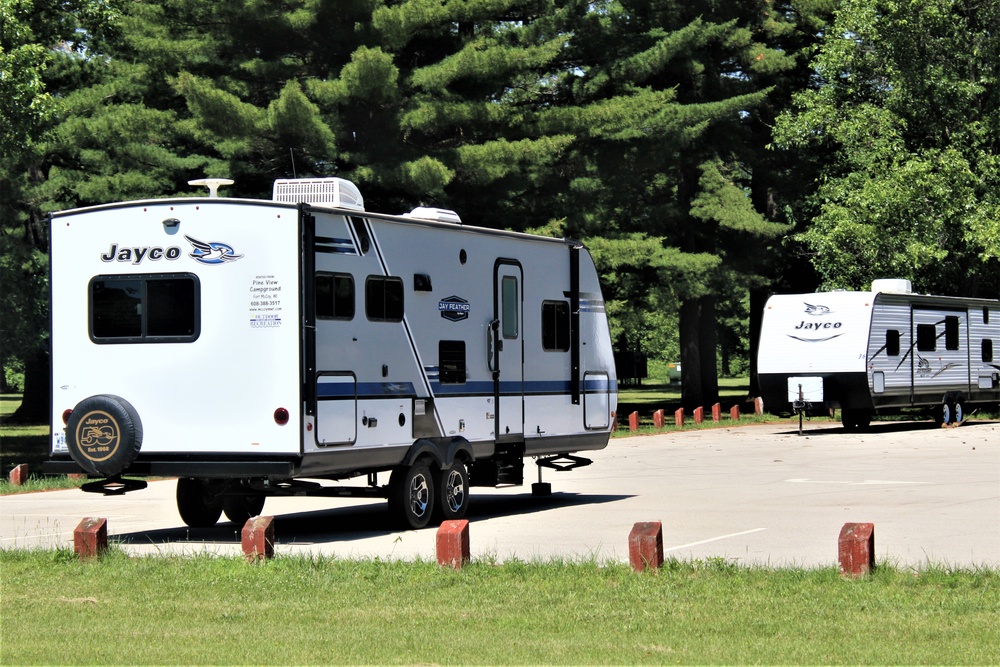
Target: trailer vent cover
{"points": [[892, 286], [331, 191], [434, 214]]}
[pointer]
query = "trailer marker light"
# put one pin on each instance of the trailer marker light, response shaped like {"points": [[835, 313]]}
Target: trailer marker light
{"points": [[281, 416], [65, 416]]}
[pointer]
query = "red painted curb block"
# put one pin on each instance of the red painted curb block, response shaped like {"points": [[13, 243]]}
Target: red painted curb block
{"points": [[645, 545], [699, 415], [679, 418], [453, 544], [734, 413], [856, 549], [658, 418], [90, 538], [716, 412], [19, 475], [633, 421], [258, 538]]}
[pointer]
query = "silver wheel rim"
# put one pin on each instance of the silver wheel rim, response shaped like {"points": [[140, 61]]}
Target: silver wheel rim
{"points": [[455, 491], [420, 495]]}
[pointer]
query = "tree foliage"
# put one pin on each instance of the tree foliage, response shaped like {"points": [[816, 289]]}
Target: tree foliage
{"points": [[907, 116]]}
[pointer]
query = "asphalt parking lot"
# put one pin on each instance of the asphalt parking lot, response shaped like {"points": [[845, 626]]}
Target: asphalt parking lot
{"points": [[754, 494]]}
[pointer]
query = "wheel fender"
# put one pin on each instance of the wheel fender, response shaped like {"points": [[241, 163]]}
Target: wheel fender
{"points": [[423, 448], [460, 449], [104, 434], [441, 455]]}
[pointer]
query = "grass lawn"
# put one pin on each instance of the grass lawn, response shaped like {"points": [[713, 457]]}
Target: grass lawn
{"points": [[204, 610]]}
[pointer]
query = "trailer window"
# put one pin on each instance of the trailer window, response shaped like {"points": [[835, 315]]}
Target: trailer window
{"points": [[451, 361], [510, 304], [987, 350], [384, 299], [951, 333], [151, 308], [926, 338], [555, 326], [335, 296], [892, 343]]}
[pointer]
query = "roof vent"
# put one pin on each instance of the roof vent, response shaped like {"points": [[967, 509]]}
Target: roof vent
{"points": [[212, 184], [892, 286], [434, 214], [332, 191]]}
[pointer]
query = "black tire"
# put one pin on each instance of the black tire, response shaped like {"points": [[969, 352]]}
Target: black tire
{"points": [[411, 495], [241, 508], [855, 419], [197, 506], [958, 413], [453, 492], [946, 413], [104, 435]]}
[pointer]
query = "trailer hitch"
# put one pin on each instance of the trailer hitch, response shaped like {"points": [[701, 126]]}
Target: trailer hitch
{"points": [[114, 486], [563, 462]]}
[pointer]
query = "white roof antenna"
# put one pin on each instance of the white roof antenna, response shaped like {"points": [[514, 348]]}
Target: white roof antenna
{"points": [[212, 184]]}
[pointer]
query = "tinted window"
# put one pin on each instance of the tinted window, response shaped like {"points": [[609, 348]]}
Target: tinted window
{"points": [[158, 308], [384, 299], [335, 296], [892, 343], [451, 361], [510, 307], [951, 339], [926, 338], [987, 350], [555, 326]]}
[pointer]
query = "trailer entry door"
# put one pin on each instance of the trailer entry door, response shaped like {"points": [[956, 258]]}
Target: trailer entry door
{"points": [[508, 376]]}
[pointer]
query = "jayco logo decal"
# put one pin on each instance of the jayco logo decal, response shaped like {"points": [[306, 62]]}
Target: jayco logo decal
{"points": [[454, 308], [98, 435], [135, 255], [212, 253], [809, 327]]}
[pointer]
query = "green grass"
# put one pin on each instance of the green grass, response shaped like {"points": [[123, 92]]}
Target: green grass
{"points": [[295, 610], [25, 444]]}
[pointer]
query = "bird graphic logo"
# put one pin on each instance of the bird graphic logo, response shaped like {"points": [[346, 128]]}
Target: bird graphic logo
{"points": [[816, 311], [212, 253]]}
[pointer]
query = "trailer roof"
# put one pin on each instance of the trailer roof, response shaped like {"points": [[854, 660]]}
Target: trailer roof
{"points": [[401, 218]]}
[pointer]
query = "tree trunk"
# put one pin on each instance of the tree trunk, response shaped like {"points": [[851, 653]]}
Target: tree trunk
{"points": [[758, 298], [699, 377], [35, 402]]}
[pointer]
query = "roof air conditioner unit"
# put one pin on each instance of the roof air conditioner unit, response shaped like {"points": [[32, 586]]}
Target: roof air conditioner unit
{"points": [[892, 286], [337, 192]]}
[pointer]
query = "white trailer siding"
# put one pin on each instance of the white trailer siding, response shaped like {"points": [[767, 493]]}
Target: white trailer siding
{"points": [[245, 358], [879, 350]]}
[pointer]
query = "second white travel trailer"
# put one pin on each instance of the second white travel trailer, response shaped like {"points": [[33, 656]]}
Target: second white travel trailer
{"points": [[254, 348], [879, 350]]}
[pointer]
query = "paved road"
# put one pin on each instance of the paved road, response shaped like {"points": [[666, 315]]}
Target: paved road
{"points": [[758, 494]]}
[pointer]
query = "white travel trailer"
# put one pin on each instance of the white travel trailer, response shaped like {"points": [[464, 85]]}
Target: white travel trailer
{"points": [[254, 348], [880, 350]]}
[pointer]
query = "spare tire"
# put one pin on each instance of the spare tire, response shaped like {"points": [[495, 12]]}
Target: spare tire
{"points": [[104, 434]]}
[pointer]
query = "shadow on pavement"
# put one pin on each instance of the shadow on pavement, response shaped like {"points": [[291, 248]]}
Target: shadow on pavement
{"points": [[358, 522], [882, 427]]}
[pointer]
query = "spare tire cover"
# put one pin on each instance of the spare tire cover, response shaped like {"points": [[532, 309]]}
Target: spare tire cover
{"points": [[104, 434]]}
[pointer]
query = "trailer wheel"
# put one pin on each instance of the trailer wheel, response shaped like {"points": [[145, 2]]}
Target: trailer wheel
{"points": [[197, 506], [944, 415], [411, 495], [104, 434], [453, 492], [855, 420], [959, 412], [242, 507]]}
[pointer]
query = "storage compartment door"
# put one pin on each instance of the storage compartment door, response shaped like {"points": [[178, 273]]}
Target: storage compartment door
{"points": [[597, 401], [336, 408]]}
